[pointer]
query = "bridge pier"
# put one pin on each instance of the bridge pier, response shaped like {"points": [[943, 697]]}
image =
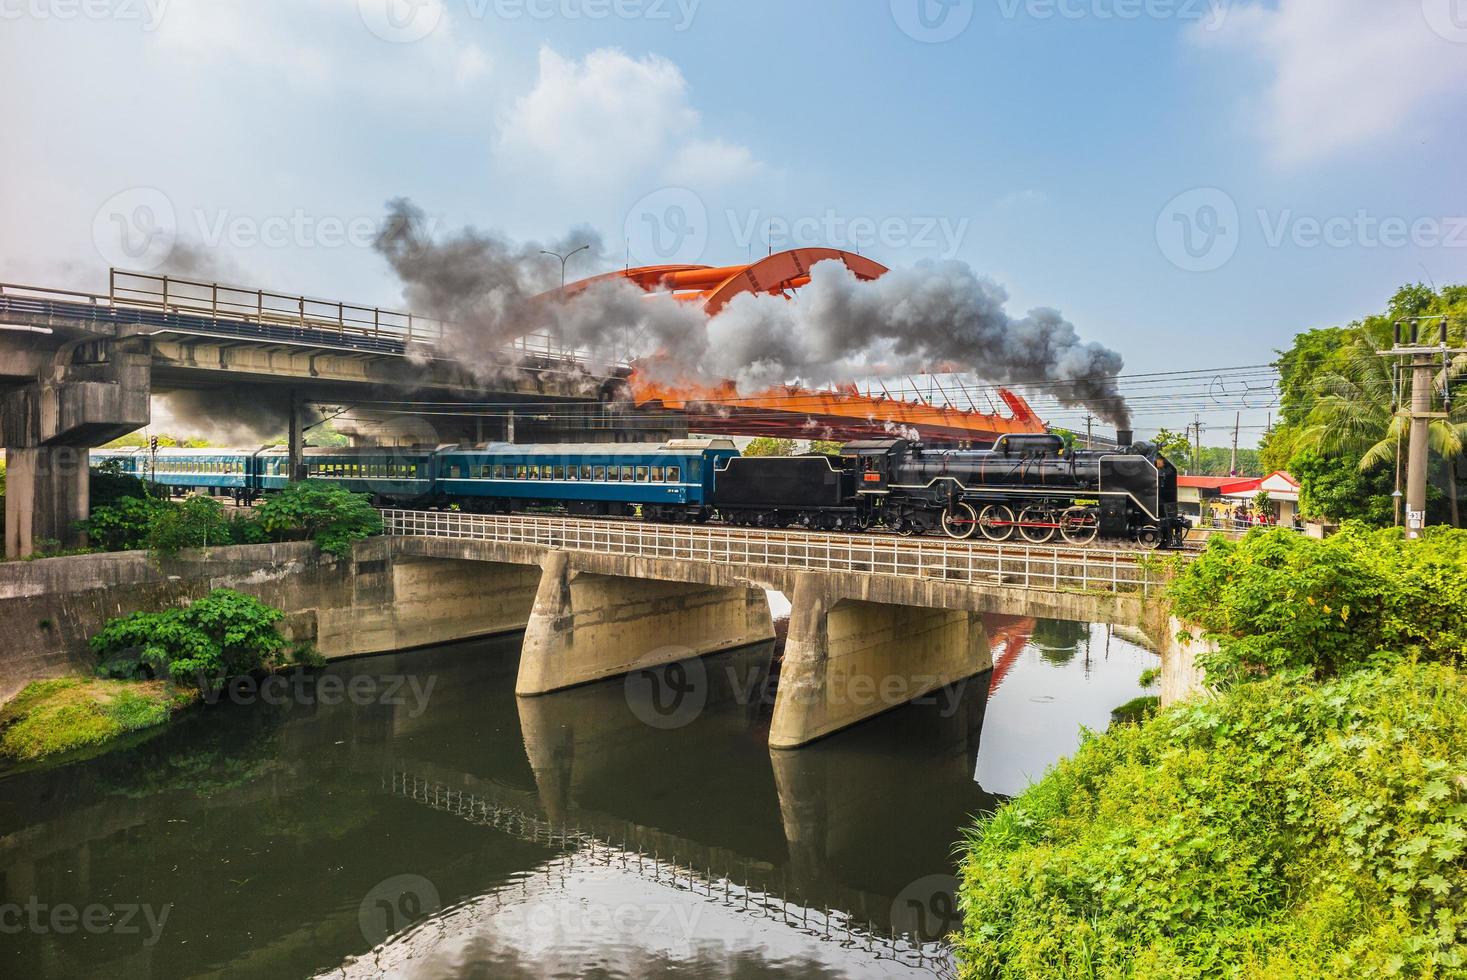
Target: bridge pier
{"points": [[586, 627], [847, 660], [88, 392]]}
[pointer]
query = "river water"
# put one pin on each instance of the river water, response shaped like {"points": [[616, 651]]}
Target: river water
{"points": [[406, 814]]}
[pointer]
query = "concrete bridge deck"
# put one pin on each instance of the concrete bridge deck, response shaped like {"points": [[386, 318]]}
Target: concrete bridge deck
{"points": [[876, 620]]}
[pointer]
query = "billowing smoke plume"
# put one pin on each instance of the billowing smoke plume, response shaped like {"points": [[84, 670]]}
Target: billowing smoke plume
{"points": [[227, 416], [935, 316]]}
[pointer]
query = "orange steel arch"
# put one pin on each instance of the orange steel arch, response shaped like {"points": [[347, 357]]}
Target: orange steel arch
{"points": [[844, 413], [714, 286]]}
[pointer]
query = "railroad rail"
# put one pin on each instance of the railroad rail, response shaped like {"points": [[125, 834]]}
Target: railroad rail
{"points": [[977, 563]]}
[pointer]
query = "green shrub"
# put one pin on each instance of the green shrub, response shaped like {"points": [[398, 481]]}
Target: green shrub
{"points": [[1281, 830], [124, 525], [1280, 602], [330, 515], [200, 522], [225, 634], [1135, 710], [1149, 677]]}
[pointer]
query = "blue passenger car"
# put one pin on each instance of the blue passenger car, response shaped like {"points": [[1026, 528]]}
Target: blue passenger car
{"points": [[667, 481], [391, 474]]}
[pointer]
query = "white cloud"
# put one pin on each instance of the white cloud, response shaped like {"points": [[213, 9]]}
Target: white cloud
{"points": [[1345, 73], [610, 118], [715, 161], [317, 44]]}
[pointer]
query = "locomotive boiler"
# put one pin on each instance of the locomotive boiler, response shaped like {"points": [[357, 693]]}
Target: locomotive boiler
{"points": [[1026, 486]]}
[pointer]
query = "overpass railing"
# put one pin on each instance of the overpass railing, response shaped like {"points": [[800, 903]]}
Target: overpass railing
{"points": [[1098, 569]]}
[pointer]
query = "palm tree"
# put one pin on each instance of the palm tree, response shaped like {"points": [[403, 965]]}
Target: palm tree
{"points": [[1359, 412]]}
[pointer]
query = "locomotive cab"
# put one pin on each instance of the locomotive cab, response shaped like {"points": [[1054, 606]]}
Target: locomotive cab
{"points": [[874, 462]]}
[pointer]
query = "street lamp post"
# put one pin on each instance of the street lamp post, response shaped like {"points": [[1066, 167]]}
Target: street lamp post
{"points": [[563, 260]]}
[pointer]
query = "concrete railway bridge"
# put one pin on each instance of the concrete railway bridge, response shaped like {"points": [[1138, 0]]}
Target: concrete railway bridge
{"points": [[876, 620]]}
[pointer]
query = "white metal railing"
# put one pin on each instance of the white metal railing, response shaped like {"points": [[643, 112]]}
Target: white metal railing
{"points": [[1030, 566]]}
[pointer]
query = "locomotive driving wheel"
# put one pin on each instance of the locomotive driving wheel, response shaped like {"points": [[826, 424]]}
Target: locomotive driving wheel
{"points": [[1079, 525], [960, 521], [996, 522], [1037, 525]]}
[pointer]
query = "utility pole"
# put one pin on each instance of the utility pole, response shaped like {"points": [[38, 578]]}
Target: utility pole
{"points": [[1237, 424], [1417, 459], [1089, 423], [1196, 428]]}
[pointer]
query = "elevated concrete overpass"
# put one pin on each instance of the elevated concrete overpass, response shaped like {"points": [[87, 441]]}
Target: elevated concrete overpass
{"points": [[79, 369]]}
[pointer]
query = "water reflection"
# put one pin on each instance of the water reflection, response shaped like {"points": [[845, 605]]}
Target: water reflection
{"points": [[487, 835]]}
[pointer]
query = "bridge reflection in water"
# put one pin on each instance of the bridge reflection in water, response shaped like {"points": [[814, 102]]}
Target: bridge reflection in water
{"points": [[289, 821]]}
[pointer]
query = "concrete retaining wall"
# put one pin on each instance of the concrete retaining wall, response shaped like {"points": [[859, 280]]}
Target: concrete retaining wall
{"points": [[370, 603]]}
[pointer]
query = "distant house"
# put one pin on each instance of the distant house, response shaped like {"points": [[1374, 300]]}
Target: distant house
{"points": [[1194, 491], [1234, 494]]}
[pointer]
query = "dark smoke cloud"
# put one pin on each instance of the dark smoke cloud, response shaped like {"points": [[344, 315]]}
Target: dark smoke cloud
{"points": [[227, 416], [932, 316]]}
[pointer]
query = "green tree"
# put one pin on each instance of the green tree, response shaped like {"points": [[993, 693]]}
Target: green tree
{"points": [[829, 447], [1175, 447], [766, 446], [330, 515], [225, 634]]}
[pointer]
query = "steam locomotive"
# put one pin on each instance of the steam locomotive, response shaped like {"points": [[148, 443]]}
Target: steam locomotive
{"points": [[1028, 487]]}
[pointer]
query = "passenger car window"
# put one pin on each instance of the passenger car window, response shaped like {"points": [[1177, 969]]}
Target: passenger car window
{"points": [[641, 474], [674, 475]]}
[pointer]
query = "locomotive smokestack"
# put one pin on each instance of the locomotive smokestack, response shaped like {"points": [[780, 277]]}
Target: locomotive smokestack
{"points": [[1125, 437]]}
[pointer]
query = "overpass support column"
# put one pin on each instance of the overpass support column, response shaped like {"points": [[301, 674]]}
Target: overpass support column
{"points": [[847, 660], [586, 627], [90, 393]]}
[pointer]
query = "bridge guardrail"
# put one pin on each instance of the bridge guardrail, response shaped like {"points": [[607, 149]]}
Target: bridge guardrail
{"points": [[193, 306], [975, 563]]}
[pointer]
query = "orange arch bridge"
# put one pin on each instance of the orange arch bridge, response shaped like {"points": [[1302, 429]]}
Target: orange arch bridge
{"points": [[842, 413]]}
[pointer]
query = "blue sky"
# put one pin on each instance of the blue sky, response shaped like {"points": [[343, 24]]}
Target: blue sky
{"points": [[1190, 182]]}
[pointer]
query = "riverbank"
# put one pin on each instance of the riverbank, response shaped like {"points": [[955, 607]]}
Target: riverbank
{"points": [[1309, 819], [72, 717]]}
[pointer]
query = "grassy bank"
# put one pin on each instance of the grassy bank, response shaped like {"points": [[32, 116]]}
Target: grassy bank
{"points": [[1308, 820], [1281, 830], [69, 714]]}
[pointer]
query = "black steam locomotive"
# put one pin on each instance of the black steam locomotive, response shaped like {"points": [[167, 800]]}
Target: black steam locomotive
{"points": [[1028, 487]]}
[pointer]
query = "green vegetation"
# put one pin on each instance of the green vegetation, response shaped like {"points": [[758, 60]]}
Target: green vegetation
{"points": [[225, 634], [1342, 420], [1280, 831], [1135, 711], [766, 446], [1308, 820], [331, 516], [69, 714], [1279, 602], [1214, 461]]}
